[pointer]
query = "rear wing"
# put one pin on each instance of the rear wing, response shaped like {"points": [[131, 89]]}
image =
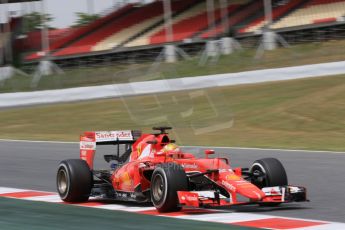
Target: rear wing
{"points": [[111, 137], [89, 141]]}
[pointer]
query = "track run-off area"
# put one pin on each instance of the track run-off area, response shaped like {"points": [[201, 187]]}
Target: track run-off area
{"points": [[27, 166]]}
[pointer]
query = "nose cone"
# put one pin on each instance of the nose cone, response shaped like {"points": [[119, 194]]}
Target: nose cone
{"points": [[237, 184], [250, 191]]}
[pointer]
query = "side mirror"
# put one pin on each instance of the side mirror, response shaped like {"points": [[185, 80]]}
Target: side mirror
{"points": [[209, 152]]}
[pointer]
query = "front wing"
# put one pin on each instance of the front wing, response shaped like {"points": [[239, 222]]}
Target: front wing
{"points": [[277, 194]]}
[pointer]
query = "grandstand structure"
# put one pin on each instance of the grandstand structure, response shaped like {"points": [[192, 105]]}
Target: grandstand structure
{"points": [[8, 29], [139, 28]]}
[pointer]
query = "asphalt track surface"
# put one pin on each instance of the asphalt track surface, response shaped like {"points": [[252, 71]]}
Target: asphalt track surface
{"points": [[33, 166]]}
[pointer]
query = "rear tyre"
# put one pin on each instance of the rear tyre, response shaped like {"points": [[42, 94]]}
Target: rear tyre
{"points": [[166, 180], [74, 180], [273, 174]]}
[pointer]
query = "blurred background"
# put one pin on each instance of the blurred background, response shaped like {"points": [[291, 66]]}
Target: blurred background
{"points": [[126, 37], [54, 44]]}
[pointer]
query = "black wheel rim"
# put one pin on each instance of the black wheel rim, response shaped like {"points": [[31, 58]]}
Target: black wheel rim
{"points": [[260, 181]]}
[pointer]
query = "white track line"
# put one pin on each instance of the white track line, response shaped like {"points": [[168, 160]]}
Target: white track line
{"points": [[119, 207], [48, 198], [332, 225], [268, 149], [30, 141], [227, 217], [224, 217], [10, 190]]}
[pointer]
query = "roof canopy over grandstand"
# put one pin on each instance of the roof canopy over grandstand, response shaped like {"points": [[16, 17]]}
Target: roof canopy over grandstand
{"points": [[17, 1]]}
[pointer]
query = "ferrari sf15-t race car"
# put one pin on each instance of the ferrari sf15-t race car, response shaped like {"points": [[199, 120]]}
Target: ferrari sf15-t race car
{"points": [[151, 168]]}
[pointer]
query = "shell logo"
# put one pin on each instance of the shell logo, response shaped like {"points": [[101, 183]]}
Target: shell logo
{"points": [[232, 177], [139, 150], [125, 179]]}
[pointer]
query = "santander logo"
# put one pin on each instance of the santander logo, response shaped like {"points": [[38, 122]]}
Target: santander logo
{"points": [[229, 186], [113, 135], [192, 198]]}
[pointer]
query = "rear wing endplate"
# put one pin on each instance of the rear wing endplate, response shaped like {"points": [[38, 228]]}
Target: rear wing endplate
{"points": [[89, 140]]}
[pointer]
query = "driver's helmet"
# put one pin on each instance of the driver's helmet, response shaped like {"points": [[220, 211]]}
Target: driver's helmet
{"points": [[171, 148]]}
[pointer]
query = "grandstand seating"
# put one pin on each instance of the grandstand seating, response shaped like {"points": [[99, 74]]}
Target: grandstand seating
{"points": [[235, 18], [95, 32], [84, 30], [33, 38], [277, 12], [190, 25], [179, 23], [186, 24], [102, 38], [143, 24], [125, 34], [314, 12], [72, 34], [145, 38], [146, 17], [126, 26]]}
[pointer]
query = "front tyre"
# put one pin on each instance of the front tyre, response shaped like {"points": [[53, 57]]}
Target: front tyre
{"points": [[74, 180], [166, 180], [271, 173]]}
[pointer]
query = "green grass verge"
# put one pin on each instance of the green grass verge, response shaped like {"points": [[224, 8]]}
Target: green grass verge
{"points": [[310, 53], [20, 214], [299, 114]]}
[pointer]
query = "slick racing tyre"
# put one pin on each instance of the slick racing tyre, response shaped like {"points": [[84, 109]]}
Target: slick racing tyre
{"points": [[166, 180], [74, 180], [272, 171]]}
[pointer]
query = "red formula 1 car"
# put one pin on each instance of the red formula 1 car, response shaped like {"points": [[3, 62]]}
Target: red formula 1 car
{"points": [[151, 168]]}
